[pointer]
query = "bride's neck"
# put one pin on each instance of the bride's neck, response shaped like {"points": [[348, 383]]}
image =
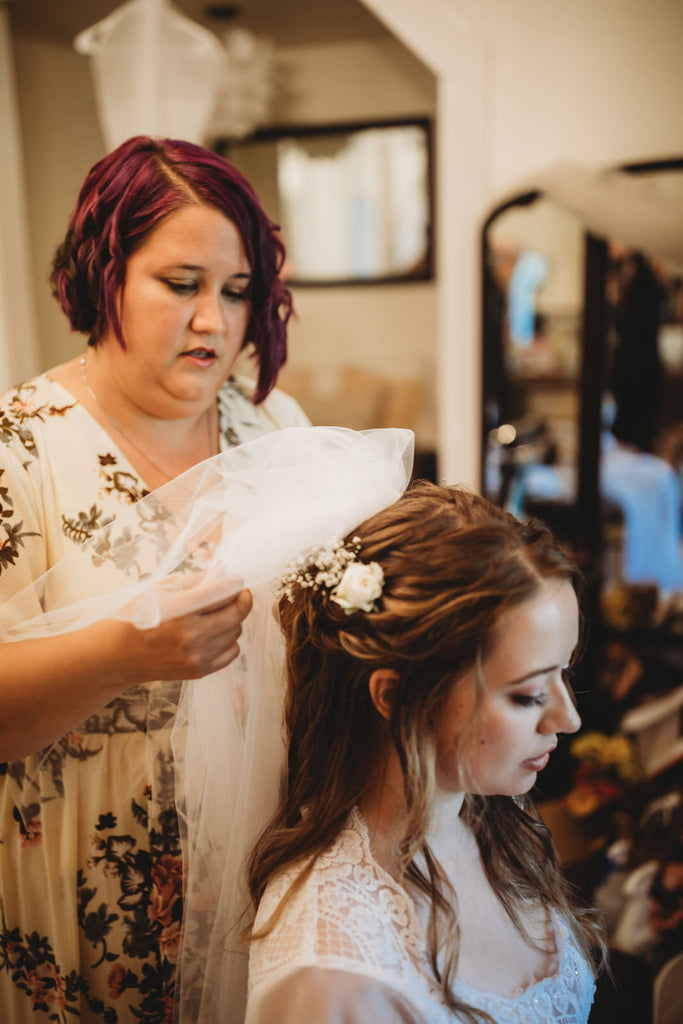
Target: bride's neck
{"points": [[445, 816], [386, 815]]}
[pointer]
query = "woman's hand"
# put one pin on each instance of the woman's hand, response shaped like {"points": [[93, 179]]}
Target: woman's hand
{"points": [[186, 646]]}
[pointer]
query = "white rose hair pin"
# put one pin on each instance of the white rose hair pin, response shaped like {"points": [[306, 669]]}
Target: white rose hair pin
{"points": [[355, 586]]}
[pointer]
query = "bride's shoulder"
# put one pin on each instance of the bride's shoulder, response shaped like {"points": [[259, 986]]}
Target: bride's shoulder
{"points": [[339, 903], [312, 881]]}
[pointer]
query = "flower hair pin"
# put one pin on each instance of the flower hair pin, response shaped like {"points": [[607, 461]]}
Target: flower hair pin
{"points": [[353, 585]]}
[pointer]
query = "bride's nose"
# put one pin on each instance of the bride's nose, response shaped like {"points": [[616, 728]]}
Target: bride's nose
{"points": [[560, 715]]}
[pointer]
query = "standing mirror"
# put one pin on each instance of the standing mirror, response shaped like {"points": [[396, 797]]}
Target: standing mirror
{"points": [[583, 427], [583, 378]]}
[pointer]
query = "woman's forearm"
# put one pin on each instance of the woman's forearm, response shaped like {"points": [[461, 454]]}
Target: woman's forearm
{"points": [[51, 684]]}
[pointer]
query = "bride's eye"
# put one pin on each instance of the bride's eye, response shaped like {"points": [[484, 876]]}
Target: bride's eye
{"points": [[523, 700]]}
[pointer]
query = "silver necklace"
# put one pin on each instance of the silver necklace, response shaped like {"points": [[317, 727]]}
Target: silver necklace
{"points": [[148, 458]]}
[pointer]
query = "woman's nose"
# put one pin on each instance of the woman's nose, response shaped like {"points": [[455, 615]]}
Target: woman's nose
{"points": [[560, 712], [208, 316]]}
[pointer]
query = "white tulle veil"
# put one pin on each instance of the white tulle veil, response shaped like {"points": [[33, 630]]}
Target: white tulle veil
{"points": [[238, 520]]}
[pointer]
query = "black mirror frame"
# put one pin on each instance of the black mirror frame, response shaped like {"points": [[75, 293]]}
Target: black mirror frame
{"points": [[227, 147]]}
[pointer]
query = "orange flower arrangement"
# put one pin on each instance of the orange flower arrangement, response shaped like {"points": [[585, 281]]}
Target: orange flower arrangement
{"points": [[606, 768]]}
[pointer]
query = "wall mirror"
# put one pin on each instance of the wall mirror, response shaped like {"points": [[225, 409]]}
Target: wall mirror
{"points": [[354, 201]]}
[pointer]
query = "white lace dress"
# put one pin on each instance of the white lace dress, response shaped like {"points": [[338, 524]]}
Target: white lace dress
{"points": [[349, 949]]}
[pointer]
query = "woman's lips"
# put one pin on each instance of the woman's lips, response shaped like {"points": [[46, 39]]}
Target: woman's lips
{"points": [[537, 764], [200, 356]]}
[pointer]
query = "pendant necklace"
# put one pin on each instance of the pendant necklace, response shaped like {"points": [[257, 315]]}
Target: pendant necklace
{"points": [[124, 433]]}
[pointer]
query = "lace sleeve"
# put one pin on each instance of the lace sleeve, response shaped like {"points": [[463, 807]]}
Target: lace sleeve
{"points": [[320, 996]]}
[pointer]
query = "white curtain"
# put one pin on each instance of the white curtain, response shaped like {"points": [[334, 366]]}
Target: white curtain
{"points": [[18, 338]]}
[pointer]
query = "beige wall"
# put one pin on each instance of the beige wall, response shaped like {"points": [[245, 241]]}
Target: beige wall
{"points": [[62, 140], [597, 81]]}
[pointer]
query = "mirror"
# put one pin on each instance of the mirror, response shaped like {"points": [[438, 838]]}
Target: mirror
{"points": [[583, 428], [354, 201], [533, 278], [583, 383]]}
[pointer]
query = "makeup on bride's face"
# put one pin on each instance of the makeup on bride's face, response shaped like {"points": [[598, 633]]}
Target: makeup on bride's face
{"points": [[497, 740]]}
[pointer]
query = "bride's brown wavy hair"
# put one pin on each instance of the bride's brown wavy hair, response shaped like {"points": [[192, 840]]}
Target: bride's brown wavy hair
{"points": [[453, 565]]}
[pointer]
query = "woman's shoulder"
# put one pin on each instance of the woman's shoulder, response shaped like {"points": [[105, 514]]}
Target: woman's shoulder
{"points": [[34, 392], [346, 871], [30, 407], [42, 387], [278, 409]]}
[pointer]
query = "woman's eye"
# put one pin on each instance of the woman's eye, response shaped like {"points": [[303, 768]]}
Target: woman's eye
{"points": [[233, 296], [524, 701], [181, 287]]}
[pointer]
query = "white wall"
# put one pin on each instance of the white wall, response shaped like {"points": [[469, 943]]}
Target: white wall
{"points": [[598, 81]]}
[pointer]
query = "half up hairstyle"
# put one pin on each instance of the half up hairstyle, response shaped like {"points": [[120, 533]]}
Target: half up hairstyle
{"points": [[124, 197], [453, 564]]}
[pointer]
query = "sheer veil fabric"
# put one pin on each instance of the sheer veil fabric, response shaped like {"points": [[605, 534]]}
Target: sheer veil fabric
{"points": [[236, 520]]}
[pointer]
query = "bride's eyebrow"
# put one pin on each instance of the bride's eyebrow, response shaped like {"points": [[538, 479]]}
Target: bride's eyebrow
{"points": [[531, 675]]}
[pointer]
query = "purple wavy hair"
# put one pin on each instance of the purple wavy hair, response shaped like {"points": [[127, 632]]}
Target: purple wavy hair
{"points": [[124, 197]]}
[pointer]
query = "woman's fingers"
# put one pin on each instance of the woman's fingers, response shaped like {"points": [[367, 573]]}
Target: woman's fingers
{"points": [[237, 605], [208, 639], [182, 594]]}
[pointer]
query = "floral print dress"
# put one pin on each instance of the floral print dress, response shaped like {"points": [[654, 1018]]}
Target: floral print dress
{"points": [[90, 866]]}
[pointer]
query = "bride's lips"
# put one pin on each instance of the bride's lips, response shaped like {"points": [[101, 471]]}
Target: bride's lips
{"points": [[537, 764]]}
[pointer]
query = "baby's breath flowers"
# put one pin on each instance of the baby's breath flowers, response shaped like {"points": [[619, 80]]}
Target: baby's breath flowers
{"points": [[353, 585]]}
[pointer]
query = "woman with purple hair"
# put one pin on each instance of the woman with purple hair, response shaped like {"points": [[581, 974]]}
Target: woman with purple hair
{"points": [[171, 269]]}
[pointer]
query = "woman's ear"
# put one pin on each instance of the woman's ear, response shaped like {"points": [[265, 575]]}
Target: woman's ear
{"points": [[382, 685]]}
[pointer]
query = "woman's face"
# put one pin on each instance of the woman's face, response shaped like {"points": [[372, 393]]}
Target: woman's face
{"points": [[184, 313], [496, 744]]}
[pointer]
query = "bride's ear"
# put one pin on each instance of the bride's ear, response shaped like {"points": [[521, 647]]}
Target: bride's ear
{"points": [[382, 685]]}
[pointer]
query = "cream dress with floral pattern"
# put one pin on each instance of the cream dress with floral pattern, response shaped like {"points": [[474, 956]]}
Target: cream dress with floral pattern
{"points": [[90, 866]]}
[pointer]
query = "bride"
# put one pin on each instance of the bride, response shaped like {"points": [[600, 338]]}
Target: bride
{"points": [[405, 876]]}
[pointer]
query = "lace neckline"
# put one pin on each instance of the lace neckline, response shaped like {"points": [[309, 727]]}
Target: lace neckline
{"points": [[357, 823]]}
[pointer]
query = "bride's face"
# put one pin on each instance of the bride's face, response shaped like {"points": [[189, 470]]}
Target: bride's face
{"points": [[496, 737]]}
